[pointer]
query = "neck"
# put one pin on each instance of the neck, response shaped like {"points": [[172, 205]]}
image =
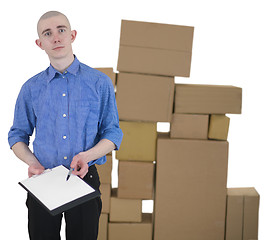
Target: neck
{"points": [[61, 64]]}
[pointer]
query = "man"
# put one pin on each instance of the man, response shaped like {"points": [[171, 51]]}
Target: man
{"points": [[73, 111]]}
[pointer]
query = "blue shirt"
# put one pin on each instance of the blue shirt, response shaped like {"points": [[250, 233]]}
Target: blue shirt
{"points": [[70, 113]]}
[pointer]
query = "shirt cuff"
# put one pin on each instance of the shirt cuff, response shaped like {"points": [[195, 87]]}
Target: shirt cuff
{"points": [[13, 140], [114, 136]]}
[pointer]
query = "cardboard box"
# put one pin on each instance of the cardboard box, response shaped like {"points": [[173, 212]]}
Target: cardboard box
{"points": [[191, 181], [156, 35], [251, 209], [125, 210], [105, 170], [105, 190], [154, 61], [189, 126], [139, 141], [103, 227], [234, 215], [132, 231], [218, 127], [242, 214], [144, 97], [135, 180], [207, 99], [153, 48], [110, 73]]}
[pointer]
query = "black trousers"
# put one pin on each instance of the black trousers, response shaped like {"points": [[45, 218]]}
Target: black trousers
{"points": [[81, 221]]}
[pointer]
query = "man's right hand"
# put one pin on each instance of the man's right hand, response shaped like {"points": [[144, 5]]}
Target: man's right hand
{"points": [[35, 169], [23, 152]]}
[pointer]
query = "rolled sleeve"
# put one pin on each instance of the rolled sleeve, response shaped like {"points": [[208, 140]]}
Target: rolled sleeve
{"points": [[24, 118], [108, 119]]}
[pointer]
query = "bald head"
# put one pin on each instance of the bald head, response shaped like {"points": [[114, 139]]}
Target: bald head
{"points": [[51, 14]]}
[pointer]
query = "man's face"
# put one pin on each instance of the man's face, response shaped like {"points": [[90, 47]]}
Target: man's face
{"points": [[56, 37]]}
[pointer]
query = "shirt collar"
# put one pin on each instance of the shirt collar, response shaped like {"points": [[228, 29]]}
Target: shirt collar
{"points": [[73, 69]]}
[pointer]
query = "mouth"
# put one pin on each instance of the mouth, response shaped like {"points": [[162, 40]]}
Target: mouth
{"points": [[57, 48]]}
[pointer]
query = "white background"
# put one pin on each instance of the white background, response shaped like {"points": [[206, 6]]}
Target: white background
{"points": [[227, 50]]}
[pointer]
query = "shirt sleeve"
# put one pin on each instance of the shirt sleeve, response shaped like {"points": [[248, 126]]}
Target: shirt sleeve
{"points": [[24, 118], [108, 119]]}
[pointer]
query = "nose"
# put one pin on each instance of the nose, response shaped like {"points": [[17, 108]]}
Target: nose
{"points": [[56, 38]]}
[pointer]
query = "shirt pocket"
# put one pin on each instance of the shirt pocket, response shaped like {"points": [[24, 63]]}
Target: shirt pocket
{"points": [[91, 107], [87, 113]]}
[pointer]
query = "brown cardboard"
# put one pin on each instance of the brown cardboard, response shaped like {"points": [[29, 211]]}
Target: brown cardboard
{"points": [[105, 190], [105, 170], [144, 97], [139, 141], [125, 210], [135, 180], [234, 214], [103, 227], [189, 126], [251, 209], [132, 231], [207, 99], [153, 48], [110, 73], [218, 127], [242, 214], [190, 198], [154, 61], [156, 35]]}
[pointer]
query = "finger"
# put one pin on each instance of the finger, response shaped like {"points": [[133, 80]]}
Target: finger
{"points": [[80, 172], [34, 171], [39, 171], [83, 170], [29, 174], [74, 162], [84, 173], [77, 170]]}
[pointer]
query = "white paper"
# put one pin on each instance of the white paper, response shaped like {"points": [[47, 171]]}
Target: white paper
{"points": [[52, 189]]}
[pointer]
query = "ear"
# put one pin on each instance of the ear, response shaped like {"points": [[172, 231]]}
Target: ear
{"points": [[38, 42], [73, 35]]}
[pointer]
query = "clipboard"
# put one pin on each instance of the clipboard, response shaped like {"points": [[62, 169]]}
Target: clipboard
{"points": [[55, 193]]}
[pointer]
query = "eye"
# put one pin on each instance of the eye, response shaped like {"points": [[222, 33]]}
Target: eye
{"points": [[61, 30], [47, 34]]}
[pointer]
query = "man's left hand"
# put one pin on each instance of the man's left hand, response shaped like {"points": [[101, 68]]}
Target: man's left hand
{"points": [[80, 165]]}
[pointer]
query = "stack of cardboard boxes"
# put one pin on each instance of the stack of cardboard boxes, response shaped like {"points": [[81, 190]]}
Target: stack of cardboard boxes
{"points": [[184, 171], [145, 93], [197, 194]]}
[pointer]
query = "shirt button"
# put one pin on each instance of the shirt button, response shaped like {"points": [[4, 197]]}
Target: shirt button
{"points": [[65, 158], [64, 115], [64, 94], [64, 137]]}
